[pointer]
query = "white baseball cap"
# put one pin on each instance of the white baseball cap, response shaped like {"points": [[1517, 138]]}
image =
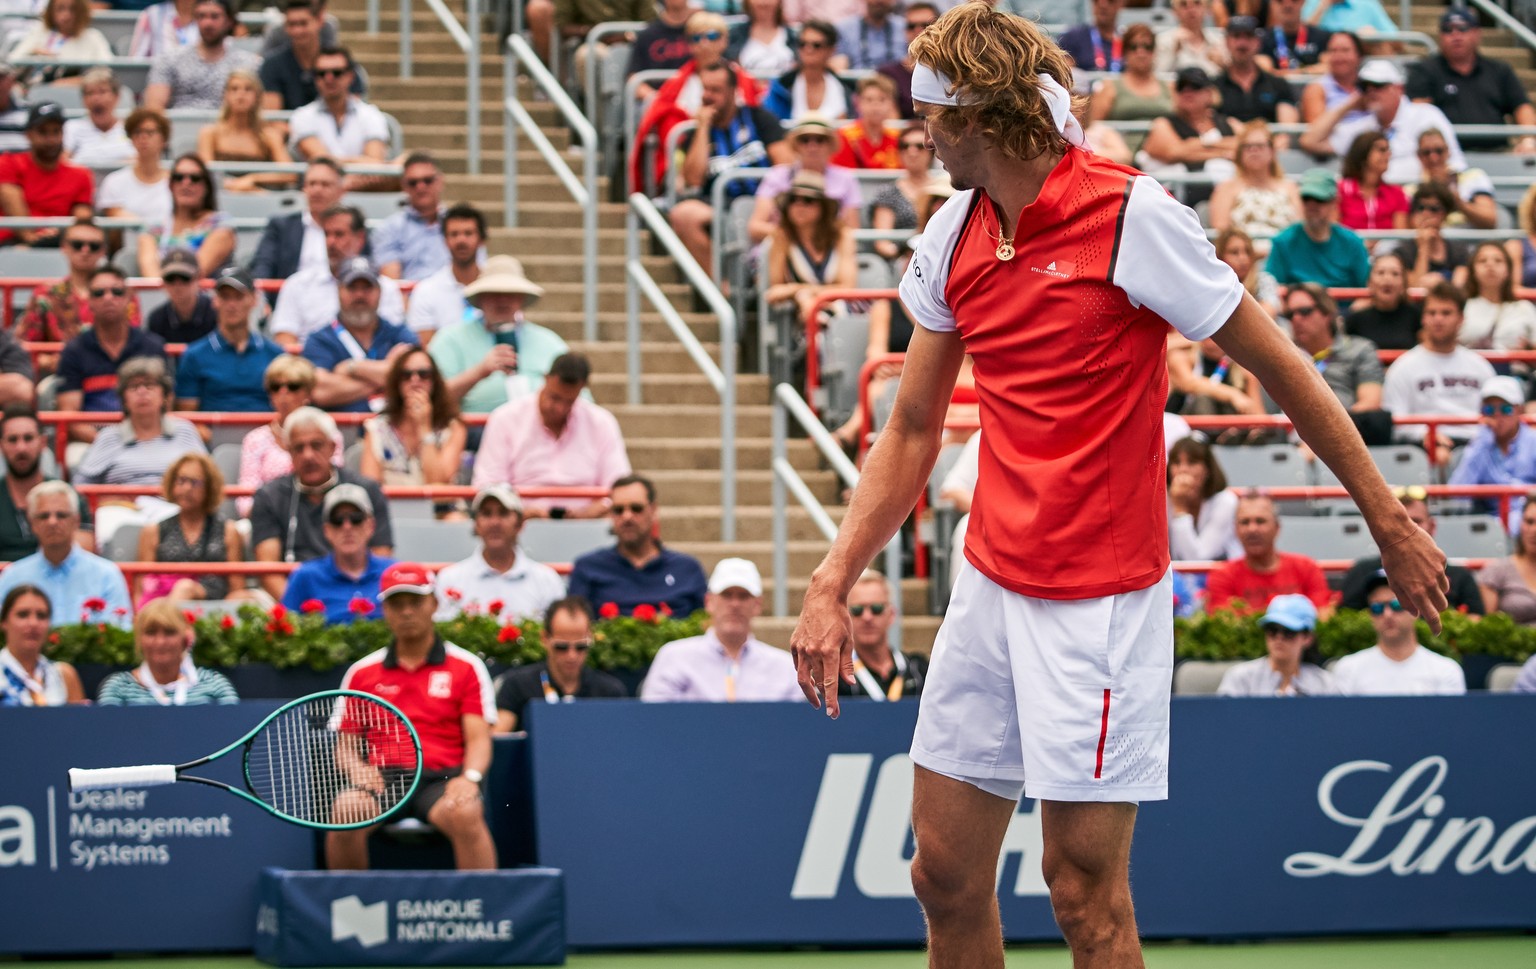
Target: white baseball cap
{"points": [[736, 574], [1380, 71], [1506, 389]]}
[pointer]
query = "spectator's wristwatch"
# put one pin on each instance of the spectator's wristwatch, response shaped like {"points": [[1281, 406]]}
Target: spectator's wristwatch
{"points": [[472, 775]]}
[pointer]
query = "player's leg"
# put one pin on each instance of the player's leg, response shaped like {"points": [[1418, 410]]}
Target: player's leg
{"points": [[462, 821], [959, 830], [1087, 865]]}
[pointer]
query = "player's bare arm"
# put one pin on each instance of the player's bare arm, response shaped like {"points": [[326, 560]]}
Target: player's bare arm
{"points": [[1415, 566], [894, 475]]}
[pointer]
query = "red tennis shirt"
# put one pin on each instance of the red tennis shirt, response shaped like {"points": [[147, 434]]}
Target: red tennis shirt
{"points": [[1068, 344], [453, 683]]}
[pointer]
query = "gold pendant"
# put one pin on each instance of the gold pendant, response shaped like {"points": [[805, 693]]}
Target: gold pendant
{"points": [[1004, 250]]}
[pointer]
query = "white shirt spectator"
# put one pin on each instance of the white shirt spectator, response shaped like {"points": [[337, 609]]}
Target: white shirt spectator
{"points": [[1372, 672], [309, 301], [91, 147], [123, 190], [361, 124], [524, 591], [1424, 382], [1498, 326], [1412, 119], [1213, 537], [312, 253], [437, 302]]}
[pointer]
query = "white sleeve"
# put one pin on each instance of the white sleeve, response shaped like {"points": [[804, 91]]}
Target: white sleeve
{"points": [[391, 302], [378, 127], [1167, 265], [923, 284], [1395, 387], [967, 468], [302, 124], [284, 318]]}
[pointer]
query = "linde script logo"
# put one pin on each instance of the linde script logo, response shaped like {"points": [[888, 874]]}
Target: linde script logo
{"points": [[882, 865], [416, 920], [1430, 840]]}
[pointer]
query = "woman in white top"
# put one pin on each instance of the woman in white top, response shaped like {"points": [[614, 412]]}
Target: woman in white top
{"points": [[144, 189], [1202, 522], [99, 139], [1191, 43], [64, 33], [27, 677], [1342, 59], [1494, 319], [763, 44]]}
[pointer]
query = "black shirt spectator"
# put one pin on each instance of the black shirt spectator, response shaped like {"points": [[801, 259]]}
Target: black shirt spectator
{"points": [[1489, 95], [164, 323], [278, 513], [1464, 594], [1394, 329], [520, 686], [1289, 50], [1265, 98], [282, 75], [84, 366], [13, 359], [660, 46]]}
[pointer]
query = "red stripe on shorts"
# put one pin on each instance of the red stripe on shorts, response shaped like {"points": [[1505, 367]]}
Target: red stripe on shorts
{"points": [[1098, 767]]}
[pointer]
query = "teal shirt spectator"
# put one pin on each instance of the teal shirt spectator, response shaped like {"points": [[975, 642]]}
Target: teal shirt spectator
{"points": [[125, 690], [1341, 261], [463, 345], [81, 578], [1352, 15]]}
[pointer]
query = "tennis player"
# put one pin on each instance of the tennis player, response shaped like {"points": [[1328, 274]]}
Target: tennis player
{"points": [[1059, 273]]}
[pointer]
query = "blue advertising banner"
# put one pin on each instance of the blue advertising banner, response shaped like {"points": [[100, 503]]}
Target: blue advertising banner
{"points": [[398, 918], [699, 824], [163, 868]]}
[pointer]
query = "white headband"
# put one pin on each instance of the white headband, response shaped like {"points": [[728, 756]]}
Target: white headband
{"points": [[931, 87]]}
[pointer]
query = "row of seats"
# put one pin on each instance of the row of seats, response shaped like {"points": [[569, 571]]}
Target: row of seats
{"points": [[1203, 677]]}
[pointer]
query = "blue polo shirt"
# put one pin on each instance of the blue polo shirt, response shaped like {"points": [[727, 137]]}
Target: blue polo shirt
{"points": [[325, 349], [320, 579], [85, 366], [674, 578], [221, 378]]}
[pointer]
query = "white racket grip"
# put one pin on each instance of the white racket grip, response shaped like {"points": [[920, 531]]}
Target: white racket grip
{"points": [[150, 775]]}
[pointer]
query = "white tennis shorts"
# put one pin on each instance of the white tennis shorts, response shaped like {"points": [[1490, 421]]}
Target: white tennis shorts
{"points": [[1061, 700]]}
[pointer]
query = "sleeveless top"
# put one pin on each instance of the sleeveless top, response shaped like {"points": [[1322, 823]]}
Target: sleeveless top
{"points": [[399, 465], [44, 688], [1262, 212], [1130, 106], [219, 153], [210, 547]]}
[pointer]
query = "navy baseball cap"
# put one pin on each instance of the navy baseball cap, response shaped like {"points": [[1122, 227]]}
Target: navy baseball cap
{"points": [[43, 113]]}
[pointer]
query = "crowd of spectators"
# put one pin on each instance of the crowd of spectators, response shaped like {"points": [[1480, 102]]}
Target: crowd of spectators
{"points": [[411, 321]]}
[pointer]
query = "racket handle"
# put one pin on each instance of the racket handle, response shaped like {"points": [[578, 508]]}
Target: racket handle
{"points": [[152, 775]]}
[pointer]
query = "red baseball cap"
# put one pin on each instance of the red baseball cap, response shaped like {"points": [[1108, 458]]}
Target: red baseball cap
{"points": [[405, 577]]}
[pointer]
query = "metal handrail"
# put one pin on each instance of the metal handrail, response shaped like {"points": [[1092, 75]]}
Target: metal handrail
{"points": [[521, 53], [468, 43], [1504, 19], [606, 29], [723, 377], [788, 403]]}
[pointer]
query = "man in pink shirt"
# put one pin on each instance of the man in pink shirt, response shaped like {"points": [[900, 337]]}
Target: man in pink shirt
{"points": [[551, 439]]}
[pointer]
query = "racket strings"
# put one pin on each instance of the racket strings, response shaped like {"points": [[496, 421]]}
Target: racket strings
{"points": [[334, 761]]}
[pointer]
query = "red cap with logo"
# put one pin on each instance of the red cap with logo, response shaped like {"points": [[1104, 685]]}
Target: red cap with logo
{"points": [[405, 577]]}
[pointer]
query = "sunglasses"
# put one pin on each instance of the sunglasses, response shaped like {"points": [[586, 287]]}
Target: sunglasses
{"points": [[193, 177], [84, 245], [419, 182], [1457, 29], [706, 35], [1502, 409], [1371, 86], [1437, 209], [814, 140], [919, 24], [804, 200], [914, 146], [814, 45], [416, 373], [184, 481], [355, 519], [109, 291], [1277, 630], [1410, 492], [1296, 311], [874, 608], [1430, 152], [580, 645], [1378, 608], [333, 72], [292, 387], [634, 508], [1141, 46]]}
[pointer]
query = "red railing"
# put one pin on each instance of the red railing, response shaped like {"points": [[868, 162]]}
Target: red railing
{"points": [[94, 493]]}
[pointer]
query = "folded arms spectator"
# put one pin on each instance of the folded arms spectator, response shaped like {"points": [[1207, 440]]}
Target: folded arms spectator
{"points": [[353, 355]]}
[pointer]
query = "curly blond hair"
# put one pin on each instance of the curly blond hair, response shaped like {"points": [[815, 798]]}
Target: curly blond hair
{"points": [[993, 59]]}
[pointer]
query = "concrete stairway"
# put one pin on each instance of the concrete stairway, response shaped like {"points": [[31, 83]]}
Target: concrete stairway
{"points": [[673, 436]]}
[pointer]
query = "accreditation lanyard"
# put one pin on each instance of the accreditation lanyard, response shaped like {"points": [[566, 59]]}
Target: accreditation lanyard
{"points": [[1283, 49], [872, 686], [187, 679], [1113, 62], [356, 352], [1320, 359], [23, 684], [551, 695]]}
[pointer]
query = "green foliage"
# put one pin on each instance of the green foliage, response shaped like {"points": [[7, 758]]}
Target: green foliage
{"points": [[285, 639], [1227, 635]]}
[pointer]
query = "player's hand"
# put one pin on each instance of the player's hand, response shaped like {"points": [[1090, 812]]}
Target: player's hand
{"points": [[1415, 568], [822, 646]]}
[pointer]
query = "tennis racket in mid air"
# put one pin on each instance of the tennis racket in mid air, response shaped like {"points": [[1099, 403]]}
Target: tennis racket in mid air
{"points": [[333, 760]]}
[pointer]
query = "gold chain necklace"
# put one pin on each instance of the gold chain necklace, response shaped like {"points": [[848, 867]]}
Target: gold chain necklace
{"points": [[1004, 251]]}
